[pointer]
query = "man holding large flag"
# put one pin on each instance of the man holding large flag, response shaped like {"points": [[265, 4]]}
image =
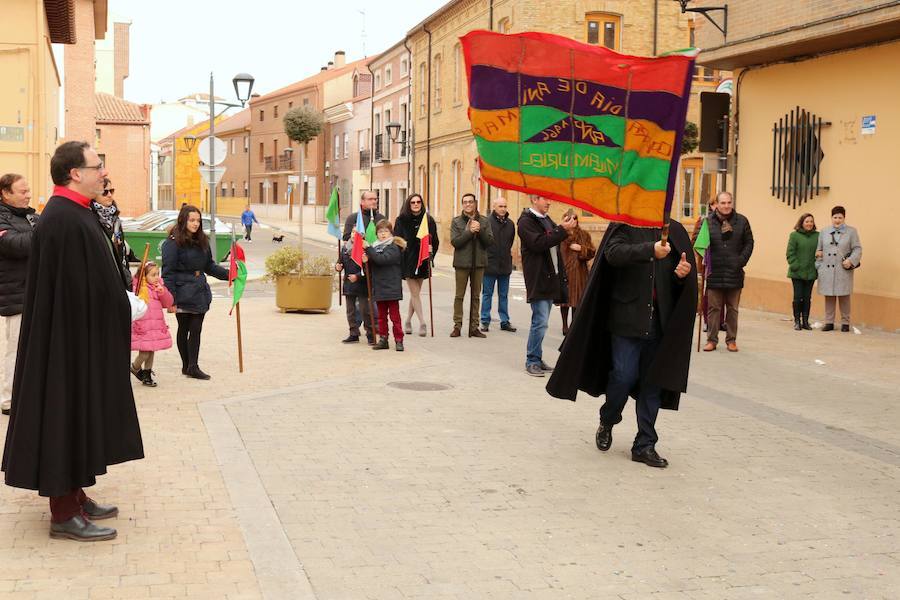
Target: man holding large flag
{"points": [[632, 335]]}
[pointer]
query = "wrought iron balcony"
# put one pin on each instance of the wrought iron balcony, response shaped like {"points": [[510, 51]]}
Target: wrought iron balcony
{"points": [[269, 163], [285, 163], [365, 159]]}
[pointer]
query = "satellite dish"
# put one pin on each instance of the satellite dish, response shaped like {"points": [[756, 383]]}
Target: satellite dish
{"points": [[219, 151]]}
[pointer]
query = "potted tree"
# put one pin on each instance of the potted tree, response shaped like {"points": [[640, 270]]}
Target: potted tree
{"points": [[301, 125], [302, 283]]}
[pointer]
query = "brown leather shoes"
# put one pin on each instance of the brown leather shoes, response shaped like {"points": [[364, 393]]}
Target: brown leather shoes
{"points": [[476, 333], [709, 347], [732, 347], [455, 332]]}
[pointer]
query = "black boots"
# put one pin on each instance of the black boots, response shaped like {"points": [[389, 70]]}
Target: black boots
{"points": [[194, 372], [801, 314]]}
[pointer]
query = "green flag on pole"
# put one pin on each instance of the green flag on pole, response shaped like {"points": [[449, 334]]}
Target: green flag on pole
{"points": [[702, 241], [333, 214], [371, 236]]}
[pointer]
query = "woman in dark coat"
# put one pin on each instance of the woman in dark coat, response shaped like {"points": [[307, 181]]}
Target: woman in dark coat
{"points": [[187, 260], [801, 259], [407, 227], [577, 251]]}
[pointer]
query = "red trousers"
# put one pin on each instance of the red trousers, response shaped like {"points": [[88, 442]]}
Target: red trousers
{"points": [[63, 508], [389, 308]]}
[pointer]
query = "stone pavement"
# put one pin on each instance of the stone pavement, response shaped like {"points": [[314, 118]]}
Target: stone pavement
{"points": [[329, 471]]}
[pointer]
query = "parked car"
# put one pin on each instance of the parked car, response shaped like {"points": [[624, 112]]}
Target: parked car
{"points": [[153, 228]]}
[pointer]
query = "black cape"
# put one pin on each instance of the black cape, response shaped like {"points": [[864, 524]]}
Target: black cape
{"points": [[585, 355], [73, 411]]}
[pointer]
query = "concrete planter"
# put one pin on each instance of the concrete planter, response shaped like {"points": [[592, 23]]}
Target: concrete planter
{"points": [[303, 293]]}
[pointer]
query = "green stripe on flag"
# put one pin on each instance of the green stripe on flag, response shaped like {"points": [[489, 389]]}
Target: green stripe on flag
{"points": [[555, 159], [239, 283]]}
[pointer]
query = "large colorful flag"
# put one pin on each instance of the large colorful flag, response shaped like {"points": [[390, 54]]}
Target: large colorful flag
{"points": [[424, 242], [237, 274], [333, 214], [579, 123], [359, 234]]}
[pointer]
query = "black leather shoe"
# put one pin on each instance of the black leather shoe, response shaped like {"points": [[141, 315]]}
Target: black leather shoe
{"points": [[370, 339], [546, 368], [603, 437], [350, 339], [81, 530], [828, 327], [485, 327], [184, 369], [138, 373], [507, 327], [845, 328], [97, 512], [194, 372], [649, 457]]}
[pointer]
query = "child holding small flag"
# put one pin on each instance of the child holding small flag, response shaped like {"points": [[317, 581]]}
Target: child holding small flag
{"points": [[385, 258]]}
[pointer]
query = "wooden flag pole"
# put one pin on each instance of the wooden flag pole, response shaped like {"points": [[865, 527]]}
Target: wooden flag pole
{"points": [[430, 302], [140, 274], [700, 310], [371, 309], [340, 242], [237, 310]]}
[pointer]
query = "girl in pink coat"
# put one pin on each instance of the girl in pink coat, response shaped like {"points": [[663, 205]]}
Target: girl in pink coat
{"points": [[150, 333]]}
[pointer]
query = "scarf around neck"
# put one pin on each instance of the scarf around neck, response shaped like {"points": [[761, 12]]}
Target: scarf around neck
{"points": [[108, 215], [725, 220]]}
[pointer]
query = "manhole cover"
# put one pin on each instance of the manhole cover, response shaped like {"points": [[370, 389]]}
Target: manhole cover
{"points": [[419, 386]]}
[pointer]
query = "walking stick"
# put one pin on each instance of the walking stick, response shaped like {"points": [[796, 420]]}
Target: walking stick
{"points": [[700, 308], [371, 310]]}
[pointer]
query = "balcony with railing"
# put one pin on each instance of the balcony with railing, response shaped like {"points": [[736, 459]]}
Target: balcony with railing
{"points": [[379, 147], [285, 163], [365, 159], [270, 163]]}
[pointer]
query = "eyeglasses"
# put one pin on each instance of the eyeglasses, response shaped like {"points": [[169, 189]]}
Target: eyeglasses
{"points": [[98, 167], [109, 192], [468, 202], [415, 202]]}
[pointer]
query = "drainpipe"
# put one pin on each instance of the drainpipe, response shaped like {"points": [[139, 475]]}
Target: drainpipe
{"points": [[655, 24], [736, 131], [491, 15], [410, 142], [428, 126], [371, 127]]}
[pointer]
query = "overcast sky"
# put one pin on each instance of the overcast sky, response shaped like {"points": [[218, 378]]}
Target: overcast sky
{"points": [[176, 43]]}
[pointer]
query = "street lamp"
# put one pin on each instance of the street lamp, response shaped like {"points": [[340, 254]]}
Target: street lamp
{"points": [[243, 85], [393, 130], [190, 141]]}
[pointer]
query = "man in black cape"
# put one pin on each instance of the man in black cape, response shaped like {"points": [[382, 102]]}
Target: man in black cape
{"points": [[72, 411], [632, 333]]}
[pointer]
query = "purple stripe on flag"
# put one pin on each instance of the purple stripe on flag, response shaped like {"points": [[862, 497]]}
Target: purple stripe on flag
{"points": [[492, 88]]}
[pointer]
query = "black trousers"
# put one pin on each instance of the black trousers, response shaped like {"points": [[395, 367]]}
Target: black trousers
{"points": [[802, 289], [190, 326], [248, 229]]}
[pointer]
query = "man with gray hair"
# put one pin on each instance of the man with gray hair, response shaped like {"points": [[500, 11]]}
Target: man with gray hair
{"points": [[499, 266]]}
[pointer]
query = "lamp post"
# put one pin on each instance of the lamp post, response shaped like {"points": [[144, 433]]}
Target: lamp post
{"points": [[243, 85], [393, 131]]}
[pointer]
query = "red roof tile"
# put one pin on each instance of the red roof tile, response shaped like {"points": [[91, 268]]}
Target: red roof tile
{"points": [[112, 109]]}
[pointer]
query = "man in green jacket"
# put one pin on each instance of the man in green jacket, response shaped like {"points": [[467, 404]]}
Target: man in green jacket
{"points": [[470, 235]]}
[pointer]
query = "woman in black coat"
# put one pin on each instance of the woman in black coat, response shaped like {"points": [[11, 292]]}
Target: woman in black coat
{"points": [[407, 227], [107, 212], [187, 260]]}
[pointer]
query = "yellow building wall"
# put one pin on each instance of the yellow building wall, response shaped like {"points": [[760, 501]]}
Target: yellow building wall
{"points": [[186, 179], [860, 170], [29, 105]]}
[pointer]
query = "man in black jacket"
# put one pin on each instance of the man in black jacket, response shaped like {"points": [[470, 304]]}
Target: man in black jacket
{"points": [[499, 266], [730, 247], [545, 275], [632, 334], [17, 220]]}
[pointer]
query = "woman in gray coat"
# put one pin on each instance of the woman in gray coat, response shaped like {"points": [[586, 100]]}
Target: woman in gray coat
{"points": [[837, 255]]}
